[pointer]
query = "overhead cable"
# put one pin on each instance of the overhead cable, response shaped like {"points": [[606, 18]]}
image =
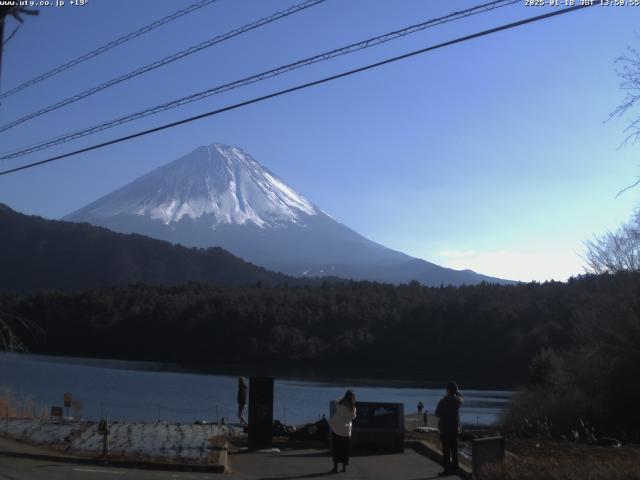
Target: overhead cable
{"points": [[304, 86], [108, 46], [368, 43], [165, 61]]}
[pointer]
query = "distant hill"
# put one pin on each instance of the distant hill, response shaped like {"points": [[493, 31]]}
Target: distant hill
{"points": [[36, 253]]}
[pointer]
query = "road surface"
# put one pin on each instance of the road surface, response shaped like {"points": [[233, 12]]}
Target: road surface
{"points": [[299, 464]]}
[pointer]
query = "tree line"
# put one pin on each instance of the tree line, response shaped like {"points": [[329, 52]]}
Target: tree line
{"points": [[483, 335]]}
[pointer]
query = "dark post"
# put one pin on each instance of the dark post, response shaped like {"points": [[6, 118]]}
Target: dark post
{"points": [[105, 444], [260, 412], [1, 40], [103, 427]]}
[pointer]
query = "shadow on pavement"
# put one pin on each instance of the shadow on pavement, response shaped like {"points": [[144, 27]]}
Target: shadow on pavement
{"points": [[309, 455], [294, 477]]}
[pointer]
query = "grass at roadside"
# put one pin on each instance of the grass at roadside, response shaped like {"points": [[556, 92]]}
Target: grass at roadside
{"points": [[570, 468], [13, 406], [548, 459], [556, 460]]}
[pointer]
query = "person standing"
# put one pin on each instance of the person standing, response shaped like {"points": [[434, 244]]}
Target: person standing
{"points": [[340, 423], [242, 400], [448, 413]]}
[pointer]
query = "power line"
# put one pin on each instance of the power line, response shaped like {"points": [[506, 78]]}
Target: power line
{"points": [[259, 77], [304, 86], [165, 61], [108, 46]]}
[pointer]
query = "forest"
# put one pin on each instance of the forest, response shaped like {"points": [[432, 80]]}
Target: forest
{"points": [[482, 335], [37, 254]]}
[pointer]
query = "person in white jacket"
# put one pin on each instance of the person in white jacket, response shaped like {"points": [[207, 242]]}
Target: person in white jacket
{"points": [[340, 424]]}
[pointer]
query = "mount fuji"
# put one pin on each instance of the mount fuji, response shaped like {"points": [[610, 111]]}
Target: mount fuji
{"points": [[220, 196]]}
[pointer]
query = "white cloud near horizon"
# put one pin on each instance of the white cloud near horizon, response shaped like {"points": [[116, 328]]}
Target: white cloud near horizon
{"points": [[457, 253], [511, 265]]}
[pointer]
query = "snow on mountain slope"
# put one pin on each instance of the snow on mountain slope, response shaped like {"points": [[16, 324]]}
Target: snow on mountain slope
{"points": [[223, 182]]}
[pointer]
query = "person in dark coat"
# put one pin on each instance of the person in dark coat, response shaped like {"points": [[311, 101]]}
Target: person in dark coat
{"points": [[340, 423], [448, 412], [242, 400]]}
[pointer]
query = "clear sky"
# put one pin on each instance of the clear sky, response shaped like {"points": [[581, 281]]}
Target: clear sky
{"points": [[490, 155]]}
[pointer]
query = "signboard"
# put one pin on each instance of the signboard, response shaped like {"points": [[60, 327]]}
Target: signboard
{"points": [[67, 400], [260, 412], [485, 451], [76, 408], [56, 411], [378, 427], [371, 415]]}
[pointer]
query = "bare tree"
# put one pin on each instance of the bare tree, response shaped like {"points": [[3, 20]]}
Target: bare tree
{"points": [[620, 250], [9, 340], [615, 251], [628, 70]]}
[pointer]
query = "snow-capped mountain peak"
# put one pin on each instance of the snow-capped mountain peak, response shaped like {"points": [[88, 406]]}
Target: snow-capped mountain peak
{"points": [[219, 196], [221, 182]]}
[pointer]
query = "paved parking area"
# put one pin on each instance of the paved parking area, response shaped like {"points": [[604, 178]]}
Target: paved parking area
{"points": [[303, 464]]}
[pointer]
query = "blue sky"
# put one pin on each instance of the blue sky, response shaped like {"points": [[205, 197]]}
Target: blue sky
{"points": [[491, 155]]}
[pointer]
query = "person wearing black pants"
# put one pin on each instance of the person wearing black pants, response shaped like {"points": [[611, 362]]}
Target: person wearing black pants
{"points": [[449, 452], [340, 423], [448, 412]]}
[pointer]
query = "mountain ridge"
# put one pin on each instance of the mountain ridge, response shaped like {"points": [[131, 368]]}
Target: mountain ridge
{"points": [[42, 254], [219, 195]]}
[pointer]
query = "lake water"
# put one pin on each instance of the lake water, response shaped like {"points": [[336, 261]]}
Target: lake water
{"points": [[148, 391]]}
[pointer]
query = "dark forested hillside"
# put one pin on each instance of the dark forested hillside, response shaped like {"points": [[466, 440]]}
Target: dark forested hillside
{"points": [[46, 254], [485, 334]]}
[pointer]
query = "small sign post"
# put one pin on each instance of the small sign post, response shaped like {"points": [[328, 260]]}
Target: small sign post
{"points": [[103, 428], [56, 411], [67, 402]]}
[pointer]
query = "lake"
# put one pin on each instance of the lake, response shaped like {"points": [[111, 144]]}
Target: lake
{"points": [[147, 391]]}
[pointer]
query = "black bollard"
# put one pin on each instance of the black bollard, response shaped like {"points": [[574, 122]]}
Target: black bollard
{"points": [[260, 413]]}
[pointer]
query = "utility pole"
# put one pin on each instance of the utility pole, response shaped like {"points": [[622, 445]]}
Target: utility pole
{"points": [[3, 13], [15, 12]]}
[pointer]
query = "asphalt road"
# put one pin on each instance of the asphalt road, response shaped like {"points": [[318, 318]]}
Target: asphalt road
{"points": [[287, 465], [306, 464], [24, 469]]}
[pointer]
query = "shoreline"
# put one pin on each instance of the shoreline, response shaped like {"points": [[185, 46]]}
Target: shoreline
{"points": [[310, 374]]}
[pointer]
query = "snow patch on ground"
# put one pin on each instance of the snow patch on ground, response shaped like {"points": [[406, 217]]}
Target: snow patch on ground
{"points": [[160, 440], [38, 431]]}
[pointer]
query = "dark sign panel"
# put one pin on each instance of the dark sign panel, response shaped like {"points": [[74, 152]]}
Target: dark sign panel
{"points": [[373, 415], [56, 411], [378, 427]]}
